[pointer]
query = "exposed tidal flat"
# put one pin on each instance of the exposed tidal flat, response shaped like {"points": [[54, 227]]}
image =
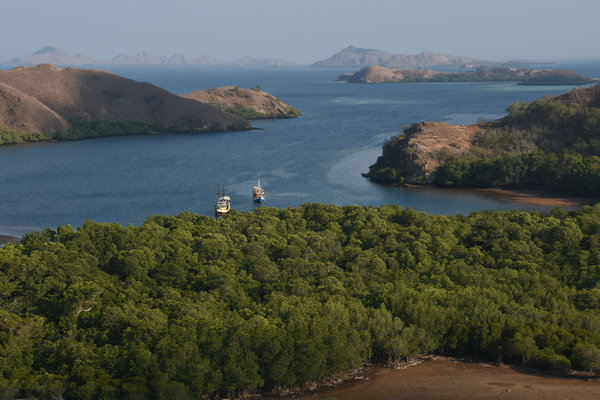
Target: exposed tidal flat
{"points": [[438, 378], [315, 158]]}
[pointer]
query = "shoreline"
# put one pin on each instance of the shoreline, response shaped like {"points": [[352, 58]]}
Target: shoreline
{"points": [[539, 197], [436, 377], [8, 239], [534, 196]]}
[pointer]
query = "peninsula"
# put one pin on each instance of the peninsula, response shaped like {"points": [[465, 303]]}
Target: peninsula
{"points": [[248, 103], [49, 103], [551, 143], [525, 76]]}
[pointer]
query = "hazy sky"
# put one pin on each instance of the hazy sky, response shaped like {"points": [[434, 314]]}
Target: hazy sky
{"points": [[302, 30]]}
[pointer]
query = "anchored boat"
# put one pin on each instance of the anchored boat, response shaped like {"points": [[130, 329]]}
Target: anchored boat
{"points": [[223, 202], [258, 193]]}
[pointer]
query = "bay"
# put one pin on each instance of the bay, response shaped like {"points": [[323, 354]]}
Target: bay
{"points": [[318, 157]]}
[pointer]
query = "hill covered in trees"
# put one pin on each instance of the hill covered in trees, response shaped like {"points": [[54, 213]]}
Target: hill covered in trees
{"points": [[552, 142], [188, 306], [45, 102]]}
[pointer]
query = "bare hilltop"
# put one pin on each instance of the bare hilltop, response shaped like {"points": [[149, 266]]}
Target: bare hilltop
{"points": [[249, 103], [46, 99]]}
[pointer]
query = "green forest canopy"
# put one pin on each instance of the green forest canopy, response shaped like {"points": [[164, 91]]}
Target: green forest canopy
{"points": [[187, 305]]}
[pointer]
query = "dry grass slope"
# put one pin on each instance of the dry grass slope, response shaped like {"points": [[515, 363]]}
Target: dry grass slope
{"points": [[97, 95], [252, 103]]}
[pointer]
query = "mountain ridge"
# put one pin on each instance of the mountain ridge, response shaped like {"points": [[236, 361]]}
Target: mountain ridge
{"points": [[353, 56], [58, 56], [525, 76]]}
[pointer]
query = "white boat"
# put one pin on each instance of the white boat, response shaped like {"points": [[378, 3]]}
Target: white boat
{"points": [[258, 193], [223, 203]]}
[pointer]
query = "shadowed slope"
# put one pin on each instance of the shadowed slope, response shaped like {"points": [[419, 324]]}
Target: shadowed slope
{"points": [[25, 113]]}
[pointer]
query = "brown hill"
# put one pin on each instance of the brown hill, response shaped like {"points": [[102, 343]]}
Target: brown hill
{"points": [[582, 98], [424, 142], [97, 95], [378, 74], [249, 103], [25, 113]]}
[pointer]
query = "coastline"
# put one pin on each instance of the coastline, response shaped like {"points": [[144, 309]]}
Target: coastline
{"points": [[538, 197], [534, 196], [8, 239], [440, 378]]}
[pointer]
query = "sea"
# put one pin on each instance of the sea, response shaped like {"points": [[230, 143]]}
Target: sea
{"points": [[318, 157]]}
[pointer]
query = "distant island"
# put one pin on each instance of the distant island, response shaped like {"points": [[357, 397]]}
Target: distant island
{"points": [[551, 142], [525, 76], [57, 56], [248, 103], [50, 103], [353, 56]]}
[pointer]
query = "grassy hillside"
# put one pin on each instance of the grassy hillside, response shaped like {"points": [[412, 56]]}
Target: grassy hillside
{"points": [[46, 100], [248, 103]]}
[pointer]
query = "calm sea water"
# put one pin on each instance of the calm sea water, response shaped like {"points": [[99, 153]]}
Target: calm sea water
{"points": [[318, 157]]}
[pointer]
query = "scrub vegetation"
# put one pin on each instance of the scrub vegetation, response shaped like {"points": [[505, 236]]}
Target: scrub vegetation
{"points": [[552, 142]]}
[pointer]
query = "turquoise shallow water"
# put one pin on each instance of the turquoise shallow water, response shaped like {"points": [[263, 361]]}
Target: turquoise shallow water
{"points": [[315, 158]]}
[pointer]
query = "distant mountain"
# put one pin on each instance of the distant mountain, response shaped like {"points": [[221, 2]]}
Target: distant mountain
{"points": [[176, 59], [267, 62], [50, 55], [57, 56], [353, 56], [46, 99]]}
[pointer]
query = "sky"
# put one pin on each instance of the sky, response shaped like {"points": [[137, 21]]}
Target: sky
{"points": [[302, 31]]}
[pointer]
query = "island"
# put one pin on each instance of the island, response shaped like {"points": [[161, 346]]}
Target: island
{"points": [[248, 103], [353, 56], [551, 143], [50, 103], [525, 76]]}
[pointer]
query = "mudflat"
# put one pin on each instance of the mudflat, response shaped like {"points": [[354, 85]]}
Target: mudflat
{"points": [[9, 239], [539, 197], [442, 379]]}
